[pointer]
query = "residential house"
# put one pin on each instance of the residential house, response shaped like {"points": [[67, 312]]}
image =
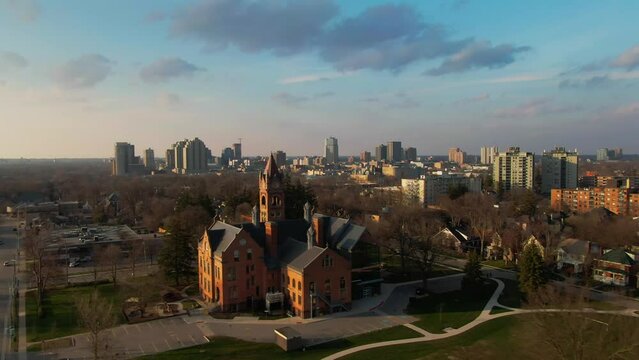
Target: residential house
{"points": [[615, 267], [573, 254], [454, 239]]}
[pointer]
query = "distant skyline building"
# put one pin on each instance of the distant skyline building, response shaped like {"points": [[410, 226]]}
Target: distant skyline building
{"points": [[513, 169], [188, 157], [487, 154], [411, 154], [394, 151], [605, 154], [149, 159], [331, 150], [381, 152], [559, 170], [456, 155], [365, 156], [124, 156], [237, 151], [226, 156], [280, 158]]}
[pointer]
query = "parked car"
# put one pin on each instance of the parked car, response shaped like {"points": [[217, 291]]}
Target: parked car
{"points": [[9, 263]]}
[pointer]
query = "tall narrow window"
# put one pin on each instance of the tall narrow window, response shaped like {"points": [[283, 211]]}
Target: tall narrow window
{"points": [[249, 254]]}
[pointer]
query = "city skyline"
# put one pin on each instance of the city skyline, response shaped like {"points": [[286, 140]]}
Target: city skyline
{"points": [[154, 73]]}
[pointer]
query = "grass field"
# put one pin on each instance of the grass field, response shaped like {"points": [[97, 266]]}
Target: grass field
{"points": [[230, 348], [437, 312]]}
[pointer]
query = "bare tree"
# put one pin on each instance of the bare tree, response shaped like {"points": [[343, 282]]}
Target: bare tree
{"points": [[96, 315], [110, 258], [423, 252], [42, 263]]}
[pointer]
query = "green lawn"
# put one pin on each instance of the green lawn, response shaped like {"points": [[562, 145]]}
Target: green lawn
{"points": [[437, 312], [502, 339], [511, 296], [230, 348], [394, 274], [59, 311]]}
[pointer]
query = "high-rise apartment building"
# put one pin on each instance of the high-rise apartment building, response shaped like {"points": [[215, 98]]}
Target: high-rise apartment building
{"points": [[411, 154], [365, 156], [170, 159], [237, 151], [226, 156], [430, 188], [381, 153], [605, 154], [559, 170], [487, 154], [280, 158], [188, 157], [331, 150], [457, 156], [394, 151], [621, 201], [124, 157], [513, 169], [149, 159]]}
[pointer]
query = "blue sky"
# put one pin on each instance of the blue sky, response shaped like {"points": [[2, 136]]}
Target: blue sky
{"points": [[77, 76]]}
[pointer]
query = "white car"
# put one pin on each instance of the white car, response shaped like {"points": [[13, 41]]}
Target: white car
{"points": [[9, 263]]}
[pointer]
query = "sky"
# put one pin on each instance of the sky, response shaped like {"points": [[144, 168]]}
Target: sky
{"points": [[78, 76]]}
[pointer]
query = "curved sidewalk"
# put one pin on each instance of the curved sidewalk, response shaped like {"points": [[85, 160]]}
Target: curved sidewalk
{"points": [[483, 317]]}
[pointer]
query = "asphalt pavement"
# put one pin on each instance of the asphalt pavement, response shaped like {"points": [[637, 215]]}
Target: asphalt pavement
{"points": [[8, 245]]}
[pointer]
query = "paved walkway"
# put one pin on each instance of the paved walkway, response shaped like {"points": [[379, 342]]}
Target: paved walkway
{"points": [[22, 324], [484, 316]]}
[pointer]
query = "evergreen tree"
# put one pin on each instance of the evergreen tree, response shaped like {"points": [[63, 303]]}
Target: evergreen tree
{"points": [[178, 256], [473, 277], [296, 195], [531, 270]]}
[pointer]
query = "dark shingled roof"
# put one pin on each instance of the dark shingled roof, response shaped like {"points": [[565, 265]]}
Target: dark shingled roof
{"points": [[618, 256], [306, 258], [221, 235]]}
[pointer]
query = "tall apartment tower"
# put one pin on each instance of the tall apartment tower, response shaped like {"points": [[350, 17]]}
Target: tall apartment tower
{"points": [[170, 159], [559, 170], [513, 169], [124, 155], [365, 156], [411, 154], [195, 157], [280, 158], [394, 151], [331, 150], [381, 152], [456, 155], [149, 159], [237, 151], [488, 154]]}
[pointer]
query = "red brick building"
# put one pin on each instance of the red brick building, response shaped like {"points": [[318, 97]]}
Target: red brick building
{"points": [[318, 262], [621, 201]]}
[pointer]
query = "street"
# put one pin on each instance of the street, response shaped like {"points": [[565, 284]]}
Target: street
{"points": [[8, 239]]}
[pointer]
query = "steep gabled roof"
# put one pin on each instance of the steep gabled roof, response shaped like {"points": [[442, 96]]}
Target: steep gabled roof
{"points": [[221, 235], [306, 258], [575, 247]]}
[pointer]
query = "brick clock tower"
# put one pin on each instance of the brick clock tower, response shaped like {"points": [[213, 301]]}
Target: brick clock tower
{"points": [[271, 193]]}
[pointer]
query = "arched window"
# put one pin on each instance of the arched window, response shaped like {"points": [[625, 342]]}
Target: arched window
{"points": [[299, 285], [263, 200]]}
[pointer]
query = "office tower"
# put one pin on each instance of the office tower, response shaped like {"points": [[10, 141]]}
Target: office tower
{"points": [[456, 155], [513, 169], [170, 159], [149, 159], [365, 156], [558, 170], [617, 153], [331, 151], [280, 158], [226, 156], [195, 157], [124, 157], [394, 151], [602, 154], [411, 154], [381, 153], [178, 149], [237, 151], [487, 154]]}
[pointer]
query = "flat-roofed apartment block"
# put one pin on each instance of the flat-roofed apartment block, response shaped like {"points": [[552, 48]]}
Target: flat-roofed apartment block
{"points": [[513, 169], [621, 201], [313, 266]]}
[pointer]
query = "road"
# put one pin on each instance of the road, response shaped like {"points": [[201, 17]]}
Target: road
{"points": [[9, 242]]}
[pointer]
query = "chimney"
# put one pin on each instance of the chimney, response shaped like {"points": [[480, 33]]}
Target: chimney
{"points": [[271, 238], [255, 217], [319, 223], [310, 237], [308, 213]]}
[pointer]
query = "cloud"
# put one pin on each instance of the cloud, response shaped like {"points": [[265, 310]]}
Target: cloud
{"points": [[535, 107], [82, 72], [315, 77], [12, 60], [479, 54], [289, 99], [25, 10], [166, 99], [323, 94], [284, 27], [384, 37], [626, 110], [166, 69], [155, 16], [628, 60], [592, 82]]}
